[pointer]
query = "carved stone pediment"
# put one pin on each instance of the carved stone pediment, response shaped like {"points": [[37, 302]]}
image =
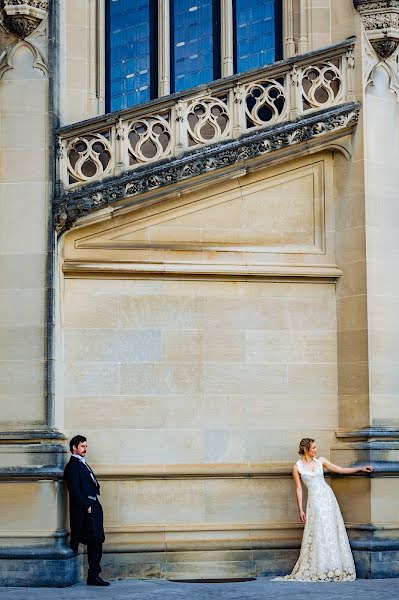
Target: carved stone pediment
{"points": [[381, 23], [22, 17]]}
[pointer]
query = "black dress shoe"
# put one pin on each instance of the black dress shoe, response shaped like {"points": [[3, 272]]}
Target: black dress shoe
{"points": [[74, 547], [97, 581]]}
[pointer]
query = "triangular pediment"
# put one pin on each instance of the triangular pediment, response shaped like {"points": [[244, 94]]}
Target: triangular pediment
{"points": [[282, 212]]}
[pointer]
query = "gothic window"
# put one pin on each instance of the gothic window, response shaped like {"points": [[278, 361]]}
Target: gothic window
{"points": [[131, 25], [256, 33], [191, 45], [194, 43]]}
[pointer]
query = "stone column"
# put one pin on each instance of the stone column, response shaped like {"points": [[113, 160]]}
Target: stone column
{"points": [[32, 533]]}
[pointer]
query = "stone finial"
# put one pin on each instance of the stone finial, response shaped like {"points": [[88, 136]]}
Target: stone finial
{"points": [[22, 17], [381, 23]]}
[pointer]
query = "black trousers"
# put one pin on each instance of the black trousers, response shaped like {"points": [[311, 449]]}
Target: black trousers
{"points": [[94, 554]]}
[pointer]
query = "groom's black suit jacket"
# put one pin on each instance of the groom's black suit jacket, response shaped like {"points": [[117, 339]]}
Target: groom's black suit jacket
{"points": [[86, 528]]}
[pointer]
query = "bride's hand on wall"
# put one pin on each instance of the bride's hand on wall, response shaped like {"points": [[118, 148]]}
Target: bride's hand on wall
{"points": [[302, 516], [367, 469]]}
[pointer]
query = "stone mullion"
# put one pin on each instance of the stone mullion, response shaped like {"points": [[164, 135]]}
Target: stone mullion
{"points": [[303, 42], [288, 27], [163, 47], [227, 41], [100, 55], [93, 57]]}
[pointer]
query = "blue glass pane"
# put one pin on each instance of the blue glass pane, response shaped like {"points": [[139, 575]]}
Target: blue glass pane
{"points": [[192, 43], [255, 34], [129, 52]]}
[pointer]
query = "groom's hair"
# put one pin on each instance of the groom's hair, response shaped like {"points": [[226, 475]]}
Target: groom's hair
{"points": [[76, 440]]}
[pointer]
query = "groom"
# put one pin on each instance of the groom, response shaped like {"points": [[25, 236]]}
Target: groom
{"points": [[85, 511]]}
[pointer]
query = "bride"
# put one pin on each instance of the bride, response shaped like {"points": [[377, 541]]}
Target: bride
{"points": [[325, 551]]}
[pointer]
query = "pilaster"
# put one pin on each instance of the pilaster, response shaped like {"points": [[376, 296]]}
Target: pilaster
{"points": [[33, 549], [367, 303]]}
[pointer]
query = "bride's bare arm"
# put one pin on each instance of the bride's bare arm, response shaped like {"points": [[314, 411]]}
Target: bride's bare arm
{"points": [[345, 470], [298, 490]]}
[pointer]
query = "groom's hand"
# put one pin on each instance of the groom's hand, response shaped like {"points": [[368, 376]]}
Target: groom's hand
{"points": [[89, 510]]}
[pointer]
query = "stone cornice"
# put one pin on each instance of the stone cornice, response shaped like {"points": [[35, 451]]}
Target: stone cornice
{"points": [[369, 433], [318, 128], [31, 473], [30, 436], [195, 270]]}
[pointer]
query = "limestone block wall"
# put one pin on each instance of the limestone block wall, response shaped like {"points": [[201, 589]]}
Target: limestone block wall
{"points": [[185, 376], [194, 385], [23, 238], [196, 369]]}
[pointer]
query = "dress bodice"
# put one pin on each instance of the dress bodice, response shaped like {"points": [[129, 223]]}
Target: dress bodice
{"points": [[314, 480]]}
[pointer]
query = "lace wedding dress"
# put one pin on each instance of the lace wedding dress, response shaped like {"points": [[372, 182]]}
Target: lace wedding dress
{"points": [[325, 551]]}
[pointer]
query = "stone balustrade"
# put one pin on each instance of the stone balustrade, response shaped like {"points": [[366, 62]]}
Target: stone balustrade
{"points": [[223, 110]]}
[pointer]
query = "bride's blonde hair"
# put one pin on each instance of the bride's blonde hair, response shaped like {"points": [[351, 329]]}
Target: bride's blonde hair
{"points": [[305, 444]]}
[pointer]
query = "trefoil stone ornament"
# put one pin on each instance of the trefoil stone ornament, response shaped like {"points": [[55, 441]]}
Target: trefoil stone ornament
{"points": [[22, 17], [381, 23]]}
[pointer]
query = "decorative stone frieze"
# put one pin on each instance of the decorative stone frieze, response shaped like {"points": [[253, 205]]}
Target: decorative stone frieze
{"points": [[22, 17], [79, 202], [381, 23]]}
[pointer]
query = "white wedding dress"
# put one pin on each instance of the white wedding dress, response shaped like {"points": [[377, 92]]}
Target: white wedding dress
{"points": [[325, 551]]}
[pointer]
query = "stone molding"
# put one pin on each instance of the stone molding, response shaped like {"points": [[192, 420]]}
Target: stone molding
{"points": [[31, 473], [381, 23], [80, 202], [369, 433], [22, 17], [30, 436], [195, 270]]}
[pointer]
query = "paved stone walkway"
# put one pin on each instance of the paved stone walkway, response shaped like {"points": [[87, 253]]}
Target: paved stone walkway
{"points": [[261, 589]]}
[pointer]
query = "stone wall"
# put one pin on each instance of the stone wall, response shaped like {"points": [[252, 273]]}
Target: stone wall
{"points": [[32, 520], [199, 334], [194, 389]]}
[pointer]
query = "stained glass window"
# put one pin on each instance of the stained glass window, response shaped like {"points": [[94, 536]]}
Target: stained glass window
{"points": [[194, 56], [255, 33], [195, 40], [129, 52]]}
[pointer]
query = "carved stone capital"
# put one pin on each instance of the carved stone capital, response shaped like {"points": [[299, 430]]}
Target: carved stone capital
{"points": [[22, 17], [381, 23]]}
